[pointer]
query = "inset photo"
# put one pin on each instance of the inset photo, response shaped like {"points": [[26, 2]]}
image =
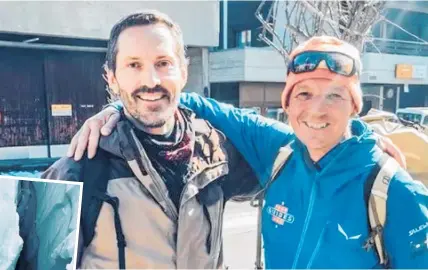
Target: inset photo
{"points": [[39, 223]]}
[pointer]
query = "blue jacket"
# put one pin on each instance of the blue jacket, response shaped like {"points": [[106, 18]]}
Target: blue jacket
{"points": [[314, 215]]}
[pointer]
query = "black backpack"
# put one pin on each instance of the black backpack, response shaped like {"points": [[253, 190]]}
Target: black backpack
{"points": [[95, 176]]}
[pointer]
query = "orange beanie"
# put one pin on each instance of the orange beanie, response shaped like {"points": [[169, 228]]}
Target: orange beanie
{"points": [[326, 44]]}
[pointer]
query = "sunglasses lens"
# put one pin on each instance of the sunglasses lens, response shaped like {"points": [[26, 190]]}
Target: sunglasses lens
{"points": [[306, 62], [340, 64], [309, 61]]}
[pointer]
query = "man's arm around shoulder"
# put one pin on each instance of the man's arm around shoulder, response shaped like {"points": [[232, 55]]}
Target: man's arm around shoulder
{"points": [[257, 138]]}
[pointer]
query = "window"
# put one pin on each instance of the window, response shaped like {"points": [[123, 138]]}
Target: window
{"points": [[425, 123], [277, 114], [256, 110], [412, 117], [417, 118], [272, 113], [244, 38]]}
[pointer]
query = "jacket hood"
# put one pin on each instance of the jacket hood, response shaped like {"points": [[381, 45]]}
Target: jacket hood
{"points": [[118, 142]]}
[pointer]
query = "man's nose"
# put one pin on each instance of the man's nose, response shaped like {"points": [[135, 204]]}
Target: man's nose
{"points": [[150, 77], [319, 105]]}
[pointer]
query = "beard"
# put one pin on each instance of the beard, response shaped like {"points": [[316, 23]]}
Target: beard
{"points": [[150, 114]]}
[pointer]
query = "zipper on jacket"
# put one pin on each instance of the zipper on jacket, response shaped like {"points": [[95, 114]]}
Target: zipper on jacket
{"points": [[305, 226], [155, 177], [197, 174], [317, 247], [214, 246], [168, 201]]}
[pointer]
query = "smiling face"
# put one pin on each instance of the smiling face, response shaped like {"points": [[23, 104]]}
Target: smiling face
{"points": [[149, 75], [319, 111]]}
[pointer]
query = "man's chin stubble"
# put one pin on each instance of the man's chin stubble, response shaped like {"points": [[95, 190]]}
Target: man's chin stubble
{"points": [[163, 125]]}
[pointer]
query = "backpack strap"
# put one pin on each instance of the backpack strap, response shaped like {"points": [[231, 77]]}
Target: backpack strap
{"points": [[95, 178], [94, 175], [281, 159], [378, 185]]}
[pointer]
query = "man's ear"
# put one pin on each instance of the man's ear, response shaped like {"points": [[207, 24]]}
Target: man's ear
{"points": [[111, 80]]}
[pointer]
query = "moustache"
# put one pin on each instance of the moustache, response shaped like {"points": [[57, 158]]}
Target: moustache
{"points": [[156, 89]]}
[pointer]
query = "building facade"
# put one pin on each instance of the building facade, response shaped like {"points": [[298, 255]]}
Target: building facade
{"points": [[51, 65], [52, 53], [244, 71]]}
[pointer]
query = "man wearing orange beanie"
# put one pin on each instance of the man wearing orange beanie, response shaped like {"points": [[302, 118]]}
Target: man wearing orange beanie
{"points": [[315, 214], [322, 92], [341, 53]]}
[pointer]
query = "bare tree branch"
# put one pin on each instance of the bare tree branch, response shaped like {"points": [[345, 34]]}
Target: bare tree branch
{"points": [[320, 15], [370, 41], [336, 30], [305, 22], [294, 6], [296, 21], [320, 27]]}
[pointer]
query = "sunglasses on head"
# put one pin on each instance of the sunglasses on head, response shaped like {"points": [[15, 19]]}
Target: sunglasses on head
{"points": [[336, 62]]}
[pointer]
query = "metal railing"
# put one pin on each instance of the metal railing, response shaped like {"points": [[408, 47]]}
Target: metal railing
{"points": [[376, 45], [393, 46]]}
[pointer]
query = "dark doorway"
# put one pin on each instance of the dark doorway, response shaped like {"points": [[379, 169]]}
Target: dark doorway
{"points": [[45, 96], [226, 92], [74, 80], [22, 98], [390, 97], [414, 96]]}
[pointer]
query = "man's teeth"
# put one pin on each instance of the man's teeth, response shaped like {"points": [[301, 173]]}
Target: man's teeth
{"points": [[316, 126], [151, 96]]}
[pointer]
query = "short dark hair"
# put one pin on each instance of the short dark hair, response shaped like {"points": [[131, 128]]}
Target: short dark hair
{"points": [[147, 17]]}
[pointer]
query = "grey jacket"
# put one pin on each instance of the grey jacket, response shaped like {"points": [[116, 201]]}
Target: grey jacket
{"points": [[137, 213]]}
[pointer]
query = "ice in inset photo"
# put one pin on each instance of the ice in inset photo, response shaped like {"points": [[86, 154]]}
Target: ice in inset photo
{"points": [[39, 223]]}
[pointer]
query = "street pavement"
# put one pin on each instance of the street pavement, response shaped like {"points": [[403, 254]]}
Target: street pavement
{"points": [[240, 227]]}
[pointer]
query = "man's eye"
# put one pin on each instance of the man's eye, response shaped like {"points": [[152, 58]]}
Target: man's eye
{"points": [[303, 96], [334, 96], [163, 64], [134, 65]]}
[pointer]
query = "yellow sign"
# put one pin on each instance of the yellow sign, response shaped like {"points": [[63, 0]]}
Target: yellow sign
{"points": [[62, 110], [403, 71]]}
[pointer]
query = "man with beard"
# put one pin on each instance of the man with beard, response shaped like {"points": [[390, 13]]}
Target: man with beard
{"points": [[154, 194]]}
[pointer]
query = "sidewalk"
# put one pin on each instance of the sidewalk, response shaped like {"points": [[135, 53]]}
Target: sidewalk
{"points": [[240, 228]]}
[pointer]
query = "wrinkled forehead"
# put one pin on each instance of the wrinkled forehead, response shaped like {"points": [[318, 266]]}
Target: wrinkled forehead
{"points": [[320, 85], [146, 41]]}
